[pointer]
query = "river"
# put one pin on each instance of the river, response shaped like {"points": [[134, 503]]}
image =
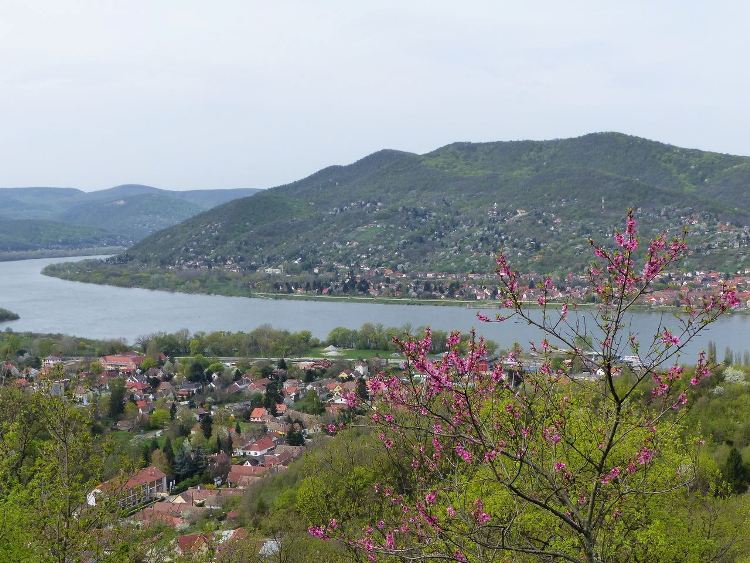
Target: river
{"points": [[51, 305]]}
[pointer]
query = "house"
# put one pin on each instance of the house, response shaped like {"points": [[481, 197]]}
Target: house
{"points": [[259, 386], [188, 390], [207, 498], [51, 361], [242, 476], [260, 446], [142, 487], [83, 395], [192, 544], [127, 362], [258, 414], [237, 387], [165, 390], [257, 448]]}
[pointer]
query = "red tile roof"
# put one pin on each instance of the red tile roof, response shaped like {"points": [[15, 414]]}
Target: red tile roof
{"points": [[262, 444], [191, 542], [258, 412]]}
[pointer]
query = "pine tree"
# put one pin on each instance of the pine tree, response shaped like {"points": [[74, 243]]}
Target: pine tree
{"points": [[711, 354], [736, 472], [146, 455], [207, 423], [184, 464], [173, 411], [168, 452], [228, 446]]}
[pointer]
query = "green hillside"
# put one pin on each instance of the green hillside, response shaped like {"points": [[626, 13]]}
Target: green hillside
{"points": [[31, 234], [453, 208], [58, 218]]}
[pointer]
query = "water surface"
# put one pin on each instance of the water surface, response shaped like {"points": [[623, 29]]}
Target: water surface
{"points": [[52, 305]]}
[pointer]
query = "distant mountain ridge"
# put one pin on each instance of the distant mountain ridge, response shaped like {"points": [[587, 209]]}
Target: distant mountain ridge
{"points": [[37, 218], [451, 209]]}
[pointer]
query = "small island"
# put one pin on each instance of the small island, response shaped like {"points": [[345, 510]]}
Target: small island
{"points": [[6, 315]]}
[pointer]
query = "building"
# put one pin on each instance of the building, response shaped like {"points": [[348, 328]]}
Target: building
{"points": [[122, 363], [142, 487]]}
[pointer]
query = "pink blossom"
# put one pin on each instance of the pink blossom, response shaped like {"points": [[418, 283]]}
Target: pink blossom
{"points": [[430, 497], [463, 453], [316, 531], [645, 456], [669, 339], [613, 474]]}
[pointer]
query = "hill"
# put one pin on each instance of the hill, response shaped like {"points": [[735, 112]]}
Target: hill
{"points": [[56, 218], [37, 234], [451, 209]]}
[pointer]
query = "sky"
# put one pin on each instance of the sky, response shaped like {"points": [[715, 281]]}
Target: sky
{"points": [[189, 94]]}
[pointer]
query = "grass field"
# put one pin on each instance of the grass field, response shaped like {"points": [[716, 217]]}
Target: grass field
{"points": [[350, 354]]}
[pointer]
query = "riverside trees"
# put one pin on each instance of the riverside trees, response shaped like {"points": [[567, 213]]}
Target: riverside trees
{"points": [[545, 466]]}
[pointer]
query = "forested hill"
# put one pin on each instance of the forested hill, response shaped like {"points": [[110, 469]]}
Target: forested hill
{"points": [[453, 208], [42, 219]]}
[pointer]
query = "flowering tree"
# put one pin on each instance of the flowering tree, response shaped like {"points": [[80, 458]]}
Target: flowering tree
{"points": [[519, 461]]}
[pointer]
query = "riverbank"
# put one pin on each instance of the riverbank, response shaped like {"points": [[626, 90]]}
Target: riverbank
{"points": [[225, 285]]}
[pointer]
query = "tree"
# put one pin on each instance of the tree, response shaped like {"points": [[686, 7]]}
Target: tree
{"points": [[728, 355], [159, 418], [172, 411], [195, 372], [168, 452], [736, 472], [362, 392], [45, 486], [184, 463], [294, 436], [148, 363], [116, 398], [238, 428], [281, 364], [545, 467], [206, 424]]}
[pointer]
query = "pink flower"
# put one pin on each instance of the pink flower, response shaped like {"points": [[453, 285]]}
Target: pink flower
{"points": [[316, 532], [463, 453], [559, 466], [451, 511], [645, 456], [669, 339], [389, 540], [551, 435], [613, 474], [430, 497]]}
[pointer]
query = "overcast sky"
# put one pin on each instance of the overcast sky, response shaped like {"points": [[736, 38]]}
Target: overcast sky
{"points": [[195, 94]]}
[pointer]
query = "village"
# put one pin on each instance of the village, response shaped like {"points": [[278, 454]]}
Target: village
{"points": [[200, 439], [669, 291]]}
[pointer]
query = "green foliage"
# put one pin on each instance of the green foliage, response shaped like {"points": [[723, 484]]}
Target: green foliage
{"points": [[116, 398], [736, 472], [310, 403], [50, 462]]}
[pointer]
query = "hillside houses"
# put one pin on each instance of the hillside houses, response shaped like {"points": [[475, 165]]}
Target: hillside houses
{"points": [[140, 488]]}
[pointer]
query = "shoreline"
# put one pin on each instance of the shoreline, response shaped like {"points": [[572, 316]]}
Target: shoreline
{"points": [[465, 303]]}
